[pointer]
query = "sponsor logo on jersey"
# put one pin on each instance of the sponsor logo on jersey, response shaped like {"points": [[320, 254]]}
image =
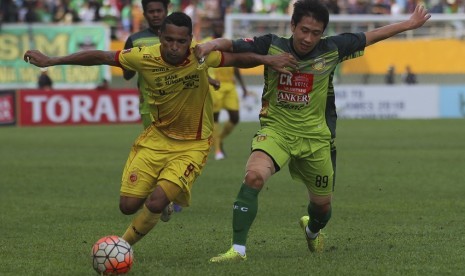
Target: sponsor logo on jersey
{"points": [[298, 83], [295, 88], [191, 81], [292, 98], [248, 39], [146, 56], [172, 79], [161, 69], [125, 51]]}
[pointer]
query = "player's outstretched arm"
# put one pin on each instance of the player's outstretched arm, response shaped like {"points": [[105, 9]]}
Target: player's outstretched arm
{"points": [[84, 58], [416, 20], [284, 63], [220, 44]]}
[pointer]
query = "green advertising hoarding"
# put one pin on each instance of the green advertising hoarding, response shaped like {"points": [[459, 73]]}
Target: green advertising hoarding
{"points": [[52, 40]]}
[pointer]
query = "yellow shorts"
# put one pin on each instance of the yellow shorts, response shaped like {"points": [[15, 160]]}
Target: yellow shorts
{"points": [[225, 98], [155, 157]]}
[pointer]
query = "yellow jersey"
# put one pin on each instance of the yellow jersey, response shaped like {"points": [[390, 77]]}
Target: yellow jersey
{"points": [[178, 96]]}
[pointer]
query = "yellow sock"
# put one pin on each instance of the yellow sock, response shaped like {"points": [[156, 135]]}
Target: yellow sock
{"points": [[141, 225]]}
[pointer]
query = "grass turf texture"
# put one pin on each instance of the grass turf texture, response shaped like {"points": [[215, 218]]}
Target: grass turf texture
{"points": [[398, 206]]}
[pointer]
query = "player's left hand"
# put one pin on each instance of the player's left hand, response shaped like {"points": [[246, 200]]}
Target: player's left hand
{"points": [[202, 50], [419, 16], [37, 58], [283, 63]]}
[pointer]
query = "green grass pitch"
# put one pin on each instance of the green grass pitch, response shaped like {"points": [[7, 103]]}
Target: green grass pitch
{"points": [[398, 207]]}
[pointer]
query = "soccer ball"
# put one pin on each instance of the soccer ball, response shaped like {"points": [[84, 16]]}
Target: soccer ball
{"points": [[112, 255]]}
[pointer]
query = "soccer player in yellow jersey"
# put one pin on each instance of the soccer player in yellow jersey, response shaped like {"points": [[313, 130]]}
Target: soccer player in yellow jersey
{"points": [[170, 154], [155, 12], [225, 96]]}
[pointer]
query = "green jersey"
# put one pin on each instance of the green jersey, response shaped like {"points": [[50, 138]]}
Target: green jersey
{"points": [[143, 38], [302, 104]]}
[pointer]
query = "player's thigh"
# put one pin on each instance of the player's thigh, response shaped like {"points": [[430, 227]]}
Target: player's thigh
{"points": [[230, 98], [217, 98], [138, 181], [315, 170], [273, 144], [179, 174]]}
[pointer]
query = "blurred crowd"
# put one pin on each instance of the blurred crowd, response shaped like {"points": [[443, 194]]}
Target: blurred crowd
{"points": [[125, 16]]}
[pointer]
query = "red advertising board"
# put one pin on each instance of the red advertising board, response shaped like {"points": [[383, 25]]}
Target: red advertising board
{"points": [[65, 107], [7, 108]]}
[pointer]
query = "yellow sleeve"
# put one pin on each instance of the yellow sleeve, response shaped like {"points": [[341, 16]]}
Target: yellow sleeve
{"points": [[130, 58], [215, 59]]}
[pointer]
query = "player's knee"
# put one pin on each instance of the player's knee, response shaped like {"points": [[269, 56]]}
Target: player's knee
{"points": [[155, 206], [127, 209], [321, 208], [234, 118], [129, 205], [254, 179]]}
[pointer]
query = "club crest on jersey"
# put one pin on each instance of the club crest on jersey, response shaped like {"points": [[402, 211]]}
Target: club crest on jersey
{"points": [[133, 177], [319, 64], [261, 137]]}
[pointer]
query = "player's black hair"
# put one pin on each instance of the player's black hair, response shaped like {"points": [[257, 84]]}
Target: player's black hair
{"points": [[165, 4], [179, 19], [311, 8]]}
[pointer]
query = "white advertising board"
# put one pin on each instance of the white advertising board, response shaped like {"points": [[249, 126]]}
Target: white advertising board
{"points": [[384, 101], [366, 101]]}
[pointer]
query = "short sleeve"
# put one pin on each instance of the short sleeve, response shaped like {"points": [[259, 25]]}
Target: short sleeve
{"points": [[129, 58], [259, 44], [349, 43], [214, 59]]}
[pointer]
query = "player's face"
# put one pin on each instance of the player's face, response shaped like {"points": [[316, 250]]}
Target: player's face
{"points": [[175, 42], [154, 14], [306, 35]]}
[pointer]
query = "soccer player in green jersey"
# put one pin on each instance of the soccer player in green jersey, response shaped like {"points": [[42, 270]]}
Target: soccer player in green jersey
{"points": [[170, 154], [155, 12], [298, 116]]}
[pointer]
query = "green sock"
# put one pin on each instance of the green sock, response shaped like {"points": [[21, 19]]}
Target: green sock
{"points": [[244, 212], [318, 219]]}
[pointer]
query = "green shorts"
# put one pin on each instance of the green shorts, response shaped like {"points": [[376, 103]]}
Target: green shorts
{"points": [[309, 159]]}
